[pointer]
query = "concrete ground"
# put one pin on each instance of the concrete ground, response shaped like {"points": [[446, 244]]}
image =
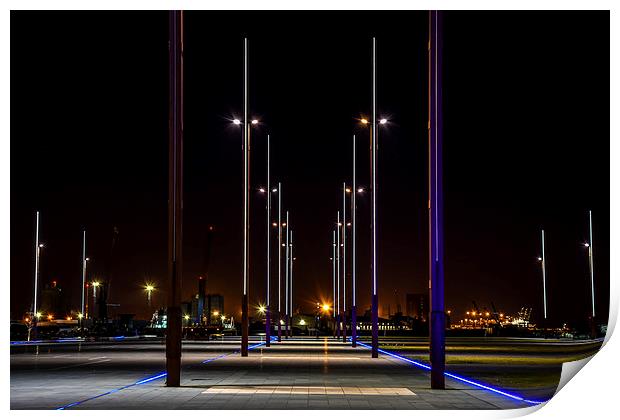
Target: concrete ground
{"points": [[295, 374]]}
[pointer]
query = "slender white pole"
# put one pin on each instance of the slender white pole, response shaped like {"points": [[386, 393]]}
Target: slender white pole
{"points": [[291, 278], [83, 267], [344, 247], [591, 259], [37, 250], [268, 223], [353, 212], [334, 273], [338, 264], [279, 247], [544, 274], [286, 266]]}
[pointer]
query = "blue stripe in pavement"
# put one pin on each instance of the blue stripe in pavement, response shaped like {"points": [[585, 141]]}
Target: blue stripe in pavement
{"points": [[453, 376], [155, 377]]}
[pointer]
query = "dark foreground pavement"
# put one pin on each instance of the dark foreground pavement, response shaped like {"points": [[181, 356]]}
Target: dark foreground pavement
{"points": [[294, 374]]}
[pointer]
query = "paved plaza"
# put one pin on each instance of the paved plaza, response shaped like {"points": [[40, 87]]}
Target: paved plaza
{"points": [[294, 374]]}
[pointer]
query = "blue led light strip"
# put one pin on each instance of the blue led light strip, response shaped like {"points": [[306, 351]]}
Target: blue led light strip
{"points": [[457, 377], [155, 377]]}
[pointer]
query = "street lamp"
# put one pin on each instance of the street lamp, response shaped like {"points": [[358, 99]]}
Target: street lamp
{"points": [[344, 261], [37, 254], [544, 274], [334, 279], [262, 190], [286, 277], [338, 316], [94, 284], [84, 261], [373, 200], [149, 288], [279, 261]]}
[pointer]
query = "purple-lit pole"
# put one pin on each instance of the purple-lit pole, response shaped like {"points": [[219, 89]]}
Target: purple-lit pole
{"points": [[334, 279], [344, 262], [436, 269], [175, 200], [373, 207], [353, 255], [268, 314]]}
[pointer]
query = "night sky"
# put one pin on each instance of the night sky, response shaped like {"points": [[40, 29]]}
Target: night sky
{"points": [[526, 98]]}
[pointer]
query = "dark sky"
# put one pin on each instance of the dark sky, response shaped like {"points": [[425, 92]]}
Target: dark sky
{"points": [[526, 146]]}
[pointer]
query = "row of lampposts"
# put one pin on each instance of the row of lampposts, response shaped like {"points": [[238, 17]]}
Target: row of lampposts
{"points": [[246, 123], [543, 266], [84, 312]]}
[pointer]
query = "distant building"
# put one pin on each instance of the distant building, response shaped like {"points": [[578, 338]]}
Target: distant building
{"points": [[417, 306]]}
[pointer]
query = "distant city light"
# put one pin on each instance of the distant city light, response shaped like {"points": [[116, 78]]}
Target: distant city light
{"points": [[360, 190], [364, 121], [275, 224], [262, 309], [587, 245], [50, 317], [148, 287], [539, 258], [261, 190], [254, 122], [325, 307], [348, 189], [186, 317], [215, 313], [236, 121], [80, 316], [302, 322], [274, 190], [382, 121]]}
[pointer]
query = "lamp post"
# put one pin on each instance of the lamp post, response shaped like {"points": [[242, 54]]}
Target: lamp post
{"points": [[353, 255], [37, 255], [334, 280], [373, 205], [286, 259], [268, 309], [95, 284], [84, 261], [590, 247], [149, 288], [544, 273], [338, 316], [344, 262], [291, 259], [279, 262]]}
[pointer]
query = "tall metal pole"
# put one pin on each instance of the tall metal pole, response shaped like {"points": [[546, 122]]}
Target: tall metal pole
{"points": [[353, 255], [83, 270], [334, 279], [291, 282], [544, 274], [344, 262], [373, 208], [246, 205], [37, 250], [339, 316], [436, 241], [286, 313], [591, 261], [175, 200], [268, 314], [279, 261]]}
